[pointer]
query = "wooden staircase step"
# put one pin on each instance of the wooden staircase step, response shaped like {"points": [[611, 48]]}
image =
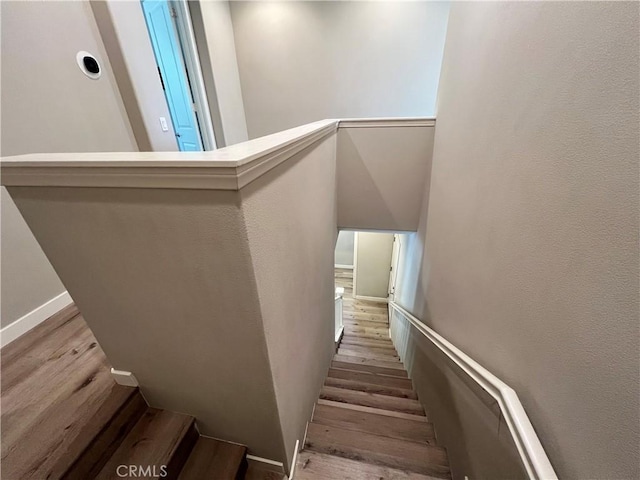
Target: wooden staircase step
{"points": [[385, 351], [400, 454], [374, 423], [160, 438], [116, 426], [368, 342], [320, 466], [366, 332], [213, 459], [377, 411], [371, 378], [344, 350], [374, 400], [346, 364], [360, 360], [370, 388]]}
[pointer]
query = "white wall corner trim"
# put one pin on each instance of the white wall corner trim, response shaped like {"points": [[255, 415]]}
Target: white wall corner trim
{"points": [[372, 299], [531, 451], [38, 315], [387, 122], [229, 168]]}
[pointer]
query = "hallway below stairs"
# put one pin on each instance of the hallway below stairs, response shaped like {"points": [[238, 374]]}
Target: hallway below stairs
{"points": [[368, 422]]}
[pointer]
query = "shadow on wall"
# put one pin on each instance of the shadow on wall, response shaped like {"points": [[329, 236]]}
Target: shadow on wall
{"points": [[468, 421], [369, 198]]}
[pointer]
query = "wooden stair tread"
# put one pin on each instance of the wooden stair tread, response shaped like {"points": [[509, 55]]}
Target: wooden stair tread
{"points": [[320, 466], [366, 447], [159, 438], [213, 459], [368, 342], [370, 388], [375, 423], [359, 360], [349, 365], [364, 353], [116, 427], [383, 402], [371, 378], [377, 411], [383, 350]]}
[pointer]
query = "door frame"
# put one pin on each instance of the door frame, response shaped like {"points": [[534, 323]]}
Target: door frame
{"points": [[187, 41], [393, 271]]}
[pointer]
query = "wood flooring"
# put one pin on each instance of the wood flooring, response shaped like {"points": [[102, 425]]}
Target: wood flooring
{"points": [[368, 422]]}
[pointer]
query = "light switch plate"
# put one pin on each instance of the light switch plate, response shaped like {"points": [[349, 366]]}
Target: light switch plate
{"points": [[163, 124]]}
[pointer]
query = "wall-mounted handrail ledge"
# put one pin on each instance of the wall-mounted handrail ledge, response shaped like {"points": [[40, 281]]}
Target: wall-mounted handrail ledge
{"points": [[531, 451], [229, 168]]}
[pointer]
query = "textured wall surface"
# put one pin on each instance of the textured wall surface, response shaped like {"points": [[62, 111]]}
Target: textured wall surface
{"points": [[290, 215], [49, 105], [165, 281], [528, 258], [304, 61]]}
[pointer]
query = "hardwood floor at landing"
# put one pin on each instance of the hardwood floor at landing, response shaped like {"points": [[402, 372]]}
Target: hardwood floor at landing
{"points": [[57, 395]]}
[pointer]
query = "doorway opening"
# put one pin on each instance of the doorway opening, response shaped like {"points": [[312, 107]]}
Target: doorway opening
{"points": [[173, 41], [365, 269]]}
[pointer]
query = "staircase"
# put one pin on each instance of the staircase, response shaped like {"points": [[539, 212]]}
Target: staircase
{"points": [[368, 422], [63, 417]]}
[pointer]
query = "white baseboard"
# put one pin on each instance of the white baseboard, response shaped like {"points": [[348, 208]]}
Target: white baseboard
{"points": [[25, 323], [372, 299], [266, 464], [347, 267]]}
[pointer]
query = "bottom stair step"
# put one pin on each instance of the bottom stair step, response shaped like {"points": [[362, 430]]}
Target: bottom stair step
{"points": [[376, 449], [319, 466], [160, 441], [213, 459]]}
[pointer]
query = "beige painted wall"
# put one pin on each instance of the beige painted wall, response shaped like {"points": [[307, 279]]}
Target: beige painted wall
{"points": [[291, 223], [304, 61], [528, 260], [49, 105], [467, 419], [344, 248], [124, 33], [373, 254], [170, 295], [213, 18], [382, 175], [206, 296]]}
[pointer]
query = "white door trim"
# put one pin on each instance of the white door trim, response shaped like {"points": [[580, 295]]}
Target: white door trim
{"points": [[187, 41]]}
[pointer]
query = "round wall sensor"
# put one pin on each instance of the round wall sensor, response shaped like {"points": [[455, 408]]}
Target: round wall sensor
{"points": [[88, 64]]}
